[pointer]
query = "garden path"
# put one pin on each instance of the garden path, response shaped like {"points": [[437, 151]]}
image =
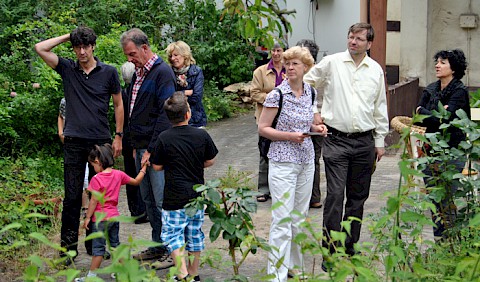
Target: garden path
{"points": [[236, 139]]}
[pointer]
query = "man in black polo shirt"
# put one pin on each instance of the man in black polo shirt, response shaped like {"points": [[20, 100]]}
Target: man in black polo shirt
{"points": [[88, 85]]}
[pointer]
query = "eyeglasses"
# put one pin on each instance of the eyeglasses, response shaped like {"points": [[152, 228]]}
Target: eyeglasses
{"points": [[359, 39], [293, 64]]}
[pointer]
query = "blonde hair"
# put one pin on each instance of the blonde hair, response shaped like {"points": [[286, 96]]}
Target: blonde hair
{"points": [[183, 49], [301, 53]]}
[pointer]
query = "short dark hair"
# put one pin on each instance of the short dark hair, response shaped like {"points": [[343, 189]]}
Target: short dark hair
{"points": [[457, 60], [83, 35], [136, 35], [363, 26], [311, 45], [176, 107], [104, 154]]}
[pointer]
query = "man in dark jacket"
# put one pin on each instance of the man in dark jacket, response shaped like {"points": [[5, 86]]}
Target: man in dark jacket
{"points": [[152, 83]]}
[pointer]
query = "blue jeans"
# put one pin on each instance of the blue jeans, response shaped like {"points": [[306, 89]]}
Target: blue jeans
{"points": [[151, 190], [99, 244]]}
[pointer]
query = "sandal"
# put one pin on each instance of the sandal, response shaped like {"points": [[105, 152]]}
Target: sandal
{"points": [[263, 198]]}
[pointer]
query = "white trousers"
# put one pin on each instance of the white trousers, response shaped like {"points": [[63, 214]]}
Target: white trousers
{"points": [[292, 185]]}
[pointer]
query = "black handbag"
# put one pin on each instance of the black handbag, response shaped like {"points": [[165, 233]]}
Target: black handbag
{"points": [[263, 142]]}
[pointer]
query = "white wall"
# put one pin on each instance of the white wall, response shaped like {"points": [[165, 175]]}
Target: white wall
{"points": [[446, 33], [394, 13], [328, 25], [413, 42], [428, 26]]}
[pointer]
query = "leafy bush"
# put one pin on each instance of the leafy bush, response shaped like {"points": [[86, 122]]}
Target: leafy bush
{"points": [[475, 99], [222, 54], [217, 103], [230, 202], [42, 177]]}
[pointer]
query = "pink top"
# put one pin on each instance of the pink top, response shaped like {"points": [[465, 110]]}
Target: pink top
{"points": [[109, 182]]}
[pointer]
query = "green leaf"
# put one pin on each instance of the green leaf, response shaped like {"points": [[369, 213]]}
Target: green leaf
{"points": [[230, 228], [36, 215], [399, 253], [410, 216], [285, 220], [475, 221], [276, 205], [95, 235], [214, 196], [392, 205], [338, 236], [10, 226], [215, 231], [44, 240]]}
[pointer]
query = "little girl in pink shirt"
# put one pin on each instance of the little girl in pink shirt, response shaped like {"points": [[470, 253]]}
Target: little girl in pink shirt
{"points": [[107, 182]]}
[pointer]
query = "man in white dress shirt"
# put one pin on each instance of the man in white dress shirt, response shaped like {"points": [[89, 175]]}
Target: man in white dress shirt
{"points": [[355, 111]]}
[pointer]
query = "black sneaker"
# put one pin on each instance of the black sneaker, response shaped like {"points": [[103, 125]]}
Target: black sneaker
{"points": [[142, 219], [187, 278], [66, 261]]}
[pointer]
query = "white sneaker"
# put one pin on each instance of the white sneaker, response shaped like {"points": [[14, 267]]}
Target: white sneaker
{"points": [[83, 279]]}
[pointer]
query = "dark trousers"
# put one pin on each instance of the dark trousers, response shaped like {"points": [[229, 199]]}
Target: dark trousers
{"points": [[136, 206], [348, 168], [316, 193], [446, 213], [263, 176], [76, 152]]}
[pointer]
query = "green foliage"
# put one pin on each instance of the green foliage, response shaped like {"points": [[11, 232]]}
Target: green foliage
{"points": [[259, 22], [230, 201], [29, 120], [217, 104], [475, 99], [224, 56], [22, 181], [401, 251], [410, 256]]}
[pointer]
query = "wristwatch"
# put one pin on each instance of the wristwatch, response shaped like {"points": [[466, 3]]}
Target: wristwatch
{"points": [[119, 133]]}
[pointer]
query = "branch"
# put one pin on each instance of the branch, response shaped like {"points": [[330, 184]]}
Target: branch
{"points": [[280, 13]]}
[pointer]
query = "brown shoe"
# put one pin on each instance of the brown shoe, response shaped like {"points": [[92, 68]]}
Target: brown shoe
{"points": [[150, 253], [164, 262], [316, 205]]}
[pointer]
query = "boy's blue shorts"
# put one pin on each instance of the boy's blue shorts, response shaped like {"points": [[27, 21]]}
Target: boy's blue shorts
{"points": [[178, 230]]}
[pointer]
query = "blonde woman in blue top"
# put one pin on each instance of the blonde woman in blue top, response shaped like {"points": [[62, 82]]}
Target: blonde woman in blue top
{"points": [[189, 80], [291, 159]]}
